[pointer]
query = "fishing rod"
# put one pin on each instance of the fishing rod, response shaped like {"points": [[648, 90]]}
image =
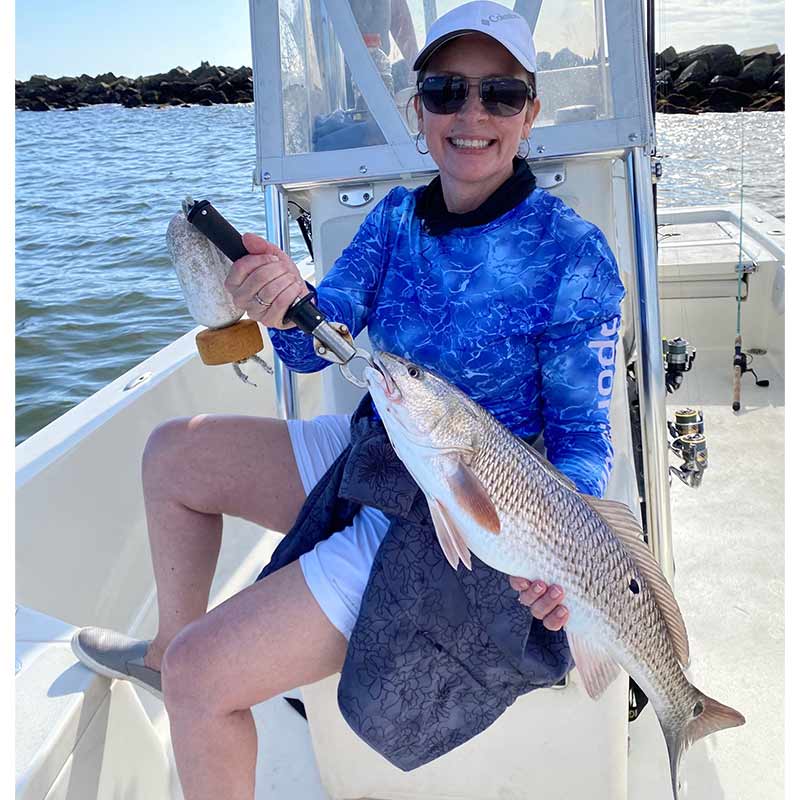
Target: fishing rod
{"points": [[740, 362]]}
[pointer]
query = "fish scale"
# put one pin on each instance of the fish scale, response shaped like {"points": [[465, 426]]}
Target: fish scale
{"points": [[493, 495]]}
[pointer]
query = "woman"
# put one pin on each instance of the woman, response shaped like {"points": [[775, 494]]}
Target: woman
{"points": [[497, 285]]}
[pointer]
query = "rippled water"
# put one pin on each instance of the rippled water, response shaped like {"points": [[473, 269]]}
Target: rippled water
{"points": [[96, 293]]}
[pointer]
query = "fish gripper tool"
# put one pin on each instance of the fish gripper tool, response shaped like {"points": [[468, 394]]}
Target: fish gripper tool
{"points": [[333, 340]]}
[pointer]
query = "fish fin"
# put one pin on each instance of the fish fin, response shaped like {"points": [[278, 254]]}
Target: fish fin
{"points": [[455, 534], [470, 494], [713, 717], [449, 536], [596, 667], [549, 468], [629, 532], [443, 534]]}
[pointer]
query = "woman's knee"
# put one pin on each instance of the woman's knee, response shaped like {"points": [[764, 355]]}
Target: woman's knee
{"points": [[194, 677], [167, 448], [185, 673]]}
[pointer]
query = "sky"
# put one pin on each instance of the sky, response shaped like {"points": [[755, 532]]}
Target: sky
{"points": [[70, 37]]}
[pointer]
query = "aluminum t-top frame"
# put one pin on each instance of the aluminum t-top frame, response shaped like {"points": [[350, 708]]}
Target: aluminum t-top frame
{"points": [[627, 123]]}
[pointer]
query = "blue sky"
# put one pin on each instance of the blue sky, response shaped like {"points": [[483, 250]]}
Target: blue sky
{"points": [[69, 37]]}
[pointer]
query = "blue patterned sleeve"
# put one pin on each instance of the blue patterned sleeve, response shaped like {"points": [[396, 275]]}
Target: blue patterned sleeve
{"points": [[576, 355], [347, 291]]}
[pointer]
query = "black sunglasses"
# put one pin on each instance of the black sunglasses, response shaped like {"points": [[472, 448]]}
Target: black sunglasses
{"points": [[501, 97]]}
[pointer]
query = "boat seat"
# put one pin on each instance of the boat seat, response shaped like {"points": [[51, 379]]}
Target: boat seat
{"points": [[78, 735], [546, 731]]}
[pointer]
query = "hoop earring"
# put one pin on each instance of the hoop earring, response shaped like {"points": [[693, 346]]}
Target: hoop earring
{"points": [[421, 152], [527, 148]]}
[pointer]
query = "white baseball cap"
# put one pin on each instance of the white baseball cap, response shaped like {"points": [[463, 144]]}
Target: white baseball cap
{"points": [[504, 25]]}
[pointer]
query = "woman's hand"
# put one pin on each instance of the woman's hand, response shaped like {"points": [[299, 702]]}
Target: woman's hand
{"points": [[268, 275], [543, 601]]}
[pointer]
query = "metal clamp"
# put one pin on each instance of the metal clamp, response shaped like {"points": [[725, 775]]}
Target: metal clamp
{"points": [[334, 342]]}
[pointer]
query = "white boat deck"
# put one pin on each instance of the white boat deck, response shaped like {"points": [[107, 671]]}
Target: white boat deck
{"points": [[729, 547]]}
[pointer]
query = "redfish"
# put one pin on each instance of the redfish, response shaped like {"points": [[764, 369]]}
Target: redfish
{"points": [[492, 495]]}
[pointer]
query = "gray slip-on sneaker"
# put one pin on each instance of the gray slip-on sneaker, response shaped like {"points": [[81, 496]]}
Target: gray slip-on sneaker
{"points": [[116, 655]]}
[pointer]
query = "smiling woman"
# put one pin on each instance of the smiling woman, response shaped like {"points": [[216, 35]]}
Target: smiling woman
{"points": [[495, 285]]}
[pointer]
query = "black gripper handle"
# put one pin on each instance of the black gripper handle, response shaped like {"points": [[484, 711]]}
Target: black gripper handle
{"points": [[217, 229], [221, 233]]}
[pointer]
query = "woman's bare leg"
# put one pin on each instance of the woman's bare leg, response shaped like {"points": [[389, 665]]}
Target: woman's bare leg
{"points": [[193, 470], [268, 638]]}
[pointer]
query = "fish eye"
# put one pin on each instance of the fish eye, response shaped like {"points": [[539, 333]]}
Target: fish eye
{"points": [[413, 372]]}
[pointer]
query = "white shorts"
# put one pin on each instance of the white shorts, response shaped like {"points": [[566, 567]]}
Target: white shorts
{"points": [[336, 570]]}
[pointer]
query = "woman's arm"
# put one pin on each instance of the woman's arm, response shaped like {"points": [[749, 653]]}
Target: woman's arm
{"points": [[576, 356], [347, 292]]}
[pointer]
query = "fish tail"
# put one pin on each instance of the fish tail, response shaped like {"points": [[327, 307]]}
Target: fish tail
{"points": [[705, 716]]}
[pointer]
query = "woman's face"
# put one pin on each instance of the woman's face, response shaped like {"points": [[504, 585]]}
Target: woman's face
{"points": [[472, 146]]}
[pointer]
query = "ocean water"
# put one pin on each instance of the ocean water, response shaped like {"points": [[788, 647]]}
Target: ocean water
{"points": [[95, 189]]}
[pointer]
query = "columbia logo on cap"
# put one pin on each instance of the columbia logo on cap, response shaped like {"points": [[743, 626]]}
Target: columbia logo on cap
{"points": [[498, 18]]}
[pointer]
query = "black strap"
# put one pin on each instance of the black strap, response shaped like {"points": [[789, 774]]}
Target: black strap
{"points": [[431, 208]]}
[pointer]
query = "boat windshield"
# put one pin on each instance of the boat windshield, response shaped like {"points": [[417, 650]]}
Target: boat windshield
{"points": [[325, 104]]}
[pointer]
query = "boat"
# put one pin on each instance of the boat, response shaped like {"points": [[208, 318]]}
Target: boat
{"points": [[333, 137]]}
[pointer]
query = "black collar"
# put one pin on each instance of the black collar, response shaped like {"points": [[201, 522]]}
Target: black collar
{"points": [[438, 220]]}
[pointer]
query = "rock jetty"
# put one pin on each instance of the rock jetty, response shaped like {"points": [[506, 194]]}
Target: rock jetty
{"points": [[717, 78], [710, 78], [207, 85]]}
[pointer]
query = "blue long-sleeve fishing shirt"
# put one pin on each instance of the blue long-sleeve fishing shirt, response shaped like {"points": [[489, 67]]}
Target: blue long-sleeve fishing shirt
{"points": [[521, 313]]}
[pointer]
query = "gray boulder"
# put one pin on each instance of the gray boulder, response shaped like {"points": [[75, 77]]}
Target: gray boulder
{"points": [[39, 80], [37, 104], [718, 57], [242, 78], [207, 92], [696, 71], [727, 100], [206, 73], [758, 72], [723, 81], [692, 89], [667, 57]]}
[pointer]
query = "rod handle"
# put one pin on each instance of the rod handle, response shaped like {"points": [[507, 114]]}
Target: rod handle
{"points": [[737, 373], [737, 387]]}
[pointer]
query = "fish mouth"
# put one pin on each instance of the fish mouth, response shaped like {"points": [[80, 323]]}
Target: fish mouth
{"points": [[390, 388]]}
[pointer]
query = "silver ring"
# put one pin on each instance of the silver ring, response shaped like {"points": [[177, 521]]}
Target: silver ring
{"points": [[258, 300]]}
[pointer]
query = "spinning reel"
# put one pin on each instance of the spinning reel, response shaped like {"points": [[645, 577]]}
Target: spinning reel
{"points": [[678, 358], [689, 444]]}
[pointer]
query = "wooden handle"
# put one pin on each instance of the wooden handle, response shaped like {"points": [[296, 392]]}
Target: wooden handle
{"points": [[231, 344], [737, 373], [737, 387]]}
